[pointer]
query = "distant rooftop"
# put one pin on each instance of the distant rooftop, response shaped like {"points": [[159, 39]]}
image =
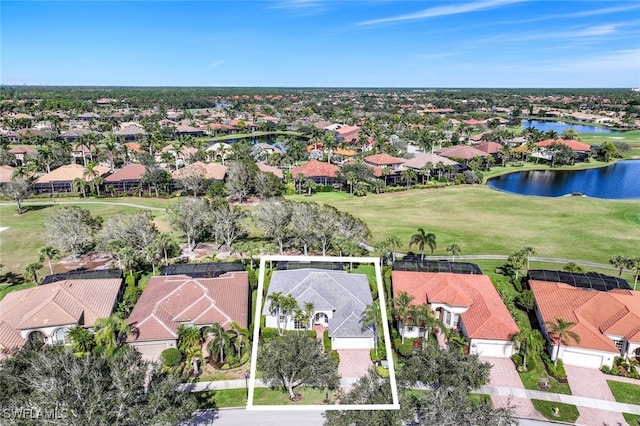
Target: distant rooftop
{"points": [[413, 263], [590, 280]]}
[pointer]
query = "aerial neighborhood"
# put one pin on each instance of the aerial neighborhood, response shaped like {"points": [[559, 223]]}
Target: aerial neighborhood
{"points": [[256, 247]]}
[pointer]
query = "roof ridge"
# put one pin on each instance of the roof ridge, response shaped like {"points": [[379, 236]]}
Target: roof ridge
{"points": [[613, 319], [335, 329]]}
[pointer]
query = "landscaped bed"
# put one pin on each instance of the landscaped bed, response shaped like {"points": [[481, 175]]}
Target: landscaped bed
{"points": [[261, 396]]}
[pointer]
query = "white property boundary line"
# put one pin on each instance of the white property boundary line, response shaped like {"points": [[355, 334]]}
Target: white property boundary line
{"points": [[395, 405]]}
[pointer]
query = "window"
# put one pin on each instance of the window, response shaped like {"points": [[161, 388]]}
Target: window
{"points": [[456, 321], [298, 324], [283, 319], [447, 318], [620, 345], [410, 329], [59, 337]]}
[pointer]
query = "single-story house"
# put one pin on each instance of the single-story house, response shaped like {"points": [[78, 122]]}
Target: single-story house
{"points": [[384, 160], [265, 168], [318, 171], [126, 179], [542, 150], [130, 133], [73, 134], [468, 302], [45, 313], [22, 152], [5, 174], [420, 160], [339, 298], [464, 152], [171, 300], [607, 322], [61, 179]]}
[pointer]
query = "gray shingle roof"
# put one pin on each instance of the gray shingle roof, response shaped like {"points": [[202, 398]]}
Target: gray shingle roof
{"points": [[344, 293]]}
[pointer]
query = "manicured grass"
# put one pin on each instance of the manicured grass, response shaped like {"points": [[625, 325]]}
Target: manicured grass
{"points": [[625, 392], [478, 399], [310, 396], [632, 419], [221, 398], [483, 221], [20, 243], [566, 412]]}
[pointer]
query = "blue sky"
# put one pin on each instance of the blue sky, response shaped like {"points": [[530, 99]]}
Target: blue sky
{"points": [[313, 43]]}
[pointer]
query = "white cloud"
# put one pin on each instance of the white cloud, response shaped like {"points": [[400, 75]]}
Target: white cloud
{"points": [[453, 9], [299, 7]]}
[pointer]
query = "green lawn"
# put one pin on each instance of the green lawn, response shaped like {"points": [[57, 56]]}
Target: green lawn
{"points": [[530, 380], [625, 392], [4, 289], [262, 396], [483, 221], [566, 412], [632, 419]]}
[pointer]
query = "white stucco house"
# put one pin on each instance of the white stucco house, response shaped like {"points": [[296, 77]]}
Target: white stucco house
{"points": [[339, 298], [607, 322], [469, 303]]}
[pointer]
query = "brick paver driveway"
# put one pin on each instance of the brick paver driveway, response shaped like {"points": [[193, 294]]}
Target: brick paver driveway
{"points": [[593, 384], [503, 373], [354, 363]]}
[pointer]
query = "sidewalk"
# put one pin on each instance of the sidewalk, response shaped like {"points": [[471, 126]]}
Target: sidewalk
{"points": [[503, 391], [580, 401]]}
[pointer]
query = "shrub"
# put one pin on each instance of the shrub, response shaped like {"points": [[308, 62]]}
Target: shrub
{"points": [[326, 340], [555, 370], [605, 369], [517, 359], [171, 357], [268, 333], [382, 372], [375, 357], [405, 348], [335, 357]]}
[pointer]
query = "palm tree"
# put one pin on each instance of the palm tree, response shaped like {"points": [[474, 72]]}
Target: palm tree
{"points": [[275, 301], [527, 252], [79, 185], [528, 341], [188, 337], [82, 340], [240, 338], [634, 265], [192, 355], [401, 309], [372, 320], [408, 175], [110, 332], [422, 239], [352, 179], [220, 343], [50, 253], [32, 270], [454, 249], [90, 174], [288, 305], [560, 333], [424, 317], [167, 245], [309, 311], [620, 262]]}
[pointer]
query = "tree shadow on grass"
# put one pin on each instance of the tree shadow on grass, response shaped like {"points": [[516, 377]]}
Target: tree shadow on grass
{"points": [[11, 278], [32, 208]]}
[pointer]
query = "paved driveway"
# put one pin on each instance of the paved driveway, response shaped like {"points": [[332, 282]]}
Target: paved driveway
{"points": [[503, 373], [593, 384], [354, 363]]}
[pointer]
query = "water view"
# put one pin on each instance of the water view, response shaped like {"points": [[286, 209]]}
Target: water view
{"points": [[560, 126], [617, 181]]}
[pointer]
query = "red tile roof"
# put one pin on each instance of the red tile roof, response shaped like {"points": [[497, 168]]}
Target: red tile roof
{"points": [[131, 171], [486, 316], [5, 173], [489, 147], [383, 160], [270, 169], [168, 301], [573, 144], [70, 302], [596, 313], [315, 168], [21, 149], [68, 173]]}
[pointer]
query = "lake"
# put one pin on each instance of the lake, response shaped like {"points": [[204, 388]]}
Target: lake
{"points": [[560, 126], [617, 181]]}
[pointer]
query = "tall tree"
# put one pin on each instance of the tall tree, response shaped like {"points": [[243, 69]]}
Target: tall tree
{"points": [[188, 337], [220, 342], [92, 389], [528, 342], [111, 332], [402, 309], [560, 333], [82, 340], [275, 303], [18, 189], [634, 265], [274, 216], [191, 216], [72, 229], [372, 319], [31, 270], [227, 224], [527, 252], [423, 239], [295, 360]]}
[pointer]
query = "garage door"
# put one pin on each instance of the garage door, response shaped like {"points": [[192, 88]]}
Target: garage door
{"points": [[493, 350], [581, 360]]}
